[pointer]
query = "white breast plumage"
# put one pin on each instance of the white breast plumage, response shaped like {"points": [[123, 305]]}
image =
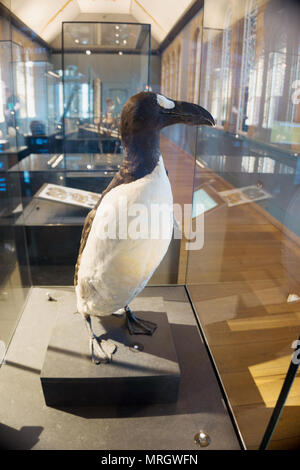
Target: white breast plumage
{"points": [[113, 271]]}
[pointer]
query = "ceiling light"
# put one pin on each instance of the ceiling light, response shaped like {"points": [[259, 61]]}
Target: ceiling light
{"points": [[120, 53], [117, 41], [76, 40], [117, 35], [124, 41], [88, 52], [117, 27]]}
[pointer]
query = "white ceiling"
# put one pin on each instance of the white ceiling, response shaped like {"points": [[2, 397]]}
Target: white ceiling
{"points": [[45, 16]]}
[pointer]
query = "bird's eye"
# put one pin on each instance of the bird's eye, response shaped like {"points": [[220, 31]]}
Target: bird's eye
{"points": [[165, 102]]}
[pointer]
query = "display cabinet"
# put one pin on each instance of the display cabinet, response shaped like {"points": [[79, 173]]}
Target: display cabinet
{"points": [[30, 115], [244, 281], [236, 245], [13, 114], [13, 117], [14, 267], [55, 202], [45, 107], [103, 65]]}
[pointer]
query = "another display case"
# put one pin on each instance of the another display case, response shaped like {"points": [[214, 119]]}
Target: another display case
{"points": [[45, 110], [103, 65], [14, 268], [13, 105], [51, 217]]}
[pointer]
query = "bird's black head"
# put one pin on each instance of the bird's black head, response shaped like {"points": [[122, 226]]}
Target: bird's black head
{"points": [[143, 116], [148, 112]]}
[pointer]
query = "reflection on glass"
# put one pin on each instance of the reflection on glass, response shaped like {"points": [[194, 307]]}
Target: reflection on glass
{"points": [[278, 435], [14, 272], [30, 90], [283, 438], [246, 108], [225, 69], [103, 67], [245, 281], [248, 164], [73, 119]]}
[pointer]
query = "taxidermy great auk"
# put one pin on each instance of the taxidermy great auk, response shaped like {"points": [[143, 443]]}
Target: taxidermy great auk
{"points": [[111, 271]]}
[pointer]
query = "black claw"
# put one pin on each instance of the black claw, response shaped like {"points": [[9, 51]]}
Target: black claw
{"points": [[138, 326]]}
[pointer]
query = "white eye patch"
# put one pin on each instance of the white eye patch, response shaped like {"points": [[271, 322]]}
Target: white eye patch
{"points": [[164, 102]]}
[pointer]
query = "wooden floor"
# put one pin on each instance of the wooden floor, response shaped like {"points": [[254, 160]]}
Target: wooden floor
{"points": [[239, 284]]}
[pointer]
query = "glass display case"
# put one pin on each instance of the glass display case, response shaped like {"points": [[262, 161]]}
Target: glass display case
{"points": [[235, 188], [103, 65], [13, 117], [55, 203], [244, 282], [44, 90], [14, 268], [30, 114]]}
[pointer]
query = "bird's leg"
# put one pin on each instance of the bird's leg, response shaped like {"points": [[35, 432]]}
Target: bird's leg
{"points": [[101, 350], [137, 326]]}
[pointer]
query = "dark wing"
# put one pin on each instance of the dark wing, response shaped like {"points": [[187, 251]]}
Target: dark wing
{"points": [[118, 179], [84, 236]]}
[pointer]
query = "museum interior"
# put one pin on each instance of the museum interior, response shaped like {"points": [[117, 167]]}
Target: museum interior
{"points": [[221, 370]]}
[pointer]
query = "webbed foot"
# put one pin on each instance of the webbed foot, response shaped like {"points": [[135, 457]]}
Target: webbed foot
{"points": [[101, 350], [138, 326]]}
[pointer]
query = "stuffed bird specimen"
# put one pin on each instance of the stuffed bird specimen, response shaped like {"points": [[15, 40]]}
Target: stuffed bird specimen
{"points": [[113, 268]]}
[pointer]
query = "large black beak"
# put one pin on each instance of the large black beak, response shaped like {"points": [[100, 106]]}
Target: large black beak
{"points": [[186, 113]]}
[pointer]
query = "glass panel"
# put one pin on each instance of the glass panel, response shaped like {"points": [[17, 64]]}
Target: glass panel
{"points": [[244, 281], [282, 431], [44, 130], [104, 64], [286, 434], [180, 64], [43, 108], [62, 182], [14, 272]]}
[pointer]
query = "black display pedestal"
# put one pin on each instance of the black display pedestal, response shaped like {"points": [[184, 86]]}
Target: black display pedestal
{"points": [[69, 378]]}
